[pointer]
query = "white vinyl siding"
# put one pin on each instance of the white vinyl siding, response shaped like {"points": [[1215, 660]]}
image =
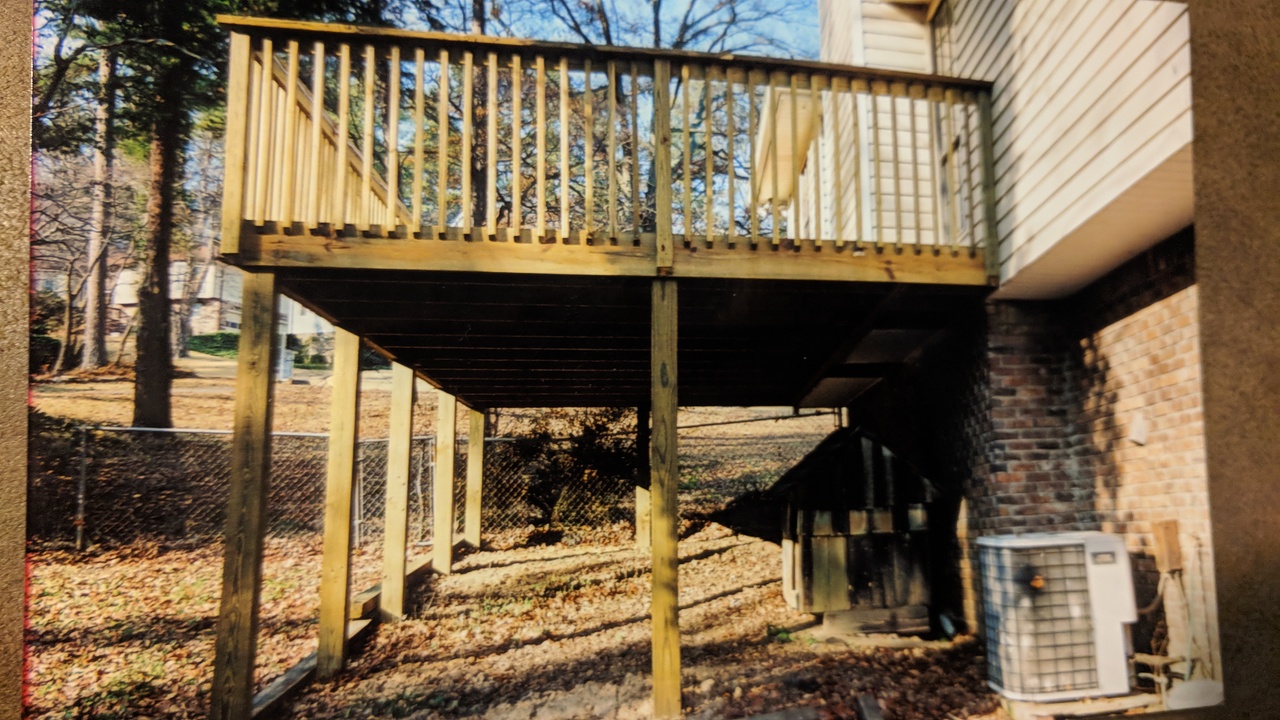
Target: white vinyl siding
{"points": [[1091, 96]]}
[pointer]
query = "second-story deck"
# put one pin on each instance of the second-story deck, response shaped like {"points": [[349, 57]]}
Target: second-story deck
{"points": [[488, 211]]}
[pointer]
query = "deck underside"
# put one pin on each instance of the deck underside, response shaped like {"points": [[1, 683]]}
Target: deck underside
{"points": [[527, 340]]}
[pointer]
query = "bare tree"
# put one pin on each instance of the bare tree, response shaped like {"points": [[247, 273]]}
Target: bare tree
{"points": [[94, 344]]}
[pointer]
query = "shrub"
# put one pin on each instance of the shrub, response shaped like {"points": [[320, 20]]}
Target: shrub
{"points": [[222, 344], [43, 353]]}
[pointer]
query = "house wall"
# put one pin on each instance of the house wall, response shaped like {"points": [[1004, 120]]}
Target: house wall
{"points": [[1091, 97], [1095, 423], [1034, 416]]}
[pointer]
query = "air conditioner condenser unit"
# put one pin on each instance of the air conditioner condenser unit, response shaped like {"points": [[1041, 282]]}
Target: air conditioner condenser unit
{"points": [[1057, 610]]}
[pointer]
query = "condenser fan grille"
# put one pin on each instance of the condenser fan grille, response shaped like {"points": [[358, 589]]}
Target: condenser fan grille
{"points": [[1039, 631]]}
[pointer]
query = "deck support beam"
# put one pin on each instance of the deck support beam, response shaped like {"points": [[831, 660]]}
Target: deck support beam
{"points": [[664, 476], [396, 523], [236, 643], [335, 574], [643, 535], [475, 478], [442, 483]]}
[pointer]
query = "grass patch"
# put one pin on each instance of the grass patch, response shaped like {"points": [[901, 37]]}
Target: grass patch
{"points": [[220, 344]]}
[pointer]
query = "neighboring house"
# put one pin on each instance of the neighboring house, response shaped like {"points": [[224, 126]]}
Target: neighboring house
{"points": [[1074, 401], [216, 305]]}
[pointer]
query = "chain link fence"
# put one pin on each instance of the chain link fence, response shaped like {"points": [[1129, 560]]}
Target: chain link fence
{"points": [[98, 485]]}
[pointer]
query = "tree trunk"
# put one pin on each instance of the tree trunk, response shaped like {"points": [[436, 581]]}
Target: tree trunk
{"points": [[154, 366], [95, 298], [63, 361]]}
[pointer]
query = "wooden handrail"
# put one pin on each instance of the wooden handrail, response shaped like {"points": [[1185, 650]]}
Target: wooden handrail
{"points": [[444, 137], [483, 44]]}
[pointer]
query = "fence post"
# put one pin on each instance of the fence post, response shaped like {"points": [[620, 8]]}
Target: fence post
{"points": [[81, 486]]}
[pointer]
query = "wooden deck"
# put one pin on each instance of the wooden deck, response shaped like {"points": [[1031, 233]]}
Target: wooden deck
{"points": [[530, 224], [523, 340]]}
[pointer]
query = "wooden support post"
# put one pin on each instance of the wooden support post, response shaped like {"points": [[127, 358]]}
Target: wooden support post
{"points": [[442, 484], [232, 693], [335, 574], [475, 478], [396, 523], [643, 534], [664, 475]]}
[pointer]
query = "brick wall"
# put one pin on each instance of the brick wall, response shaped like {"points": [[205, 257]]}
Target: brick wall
{"points": [[1095, 424]]}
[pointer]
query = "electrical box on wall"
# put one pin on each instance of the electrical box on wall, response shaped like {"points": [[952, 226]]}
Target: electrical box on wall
{"points": [[1057, 607]]}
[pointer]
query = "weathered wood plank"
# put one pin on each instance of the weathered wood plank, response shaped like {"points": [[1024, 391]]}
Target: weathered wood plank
{"points": [[389, 219], [396, 522], [365, 212], [335, 586], [665, 247], [442, 483], [664, 478], [644, 532], [250, 470], [280, 251], [442, 143], [465, 159], [475, 478], [338, 215], [235, 140], [540, 134], [562, 226]]}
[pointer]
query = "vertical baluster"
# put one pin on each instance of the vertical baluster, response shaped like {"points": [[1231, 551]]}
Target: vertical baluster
{"points": [[540, 128], [915, 171], [635, 154], [317, 118], [517, 123], [730, 131], [837, 167], [774, 153], [564, 149], [708, 157], [279, 140], [250, 198], [877, 219], [815, 94], [793, 222], [266, 113], [464, 161], [753, 209], [491, 150], [857, 166], [953, 187], [897, 170], [969, 172], [442, 146], [685, 152], [340, 143], [935, 168], [588, 152], [419, 67], [289, 170], [612, 81], [366, 139], [393, 141]]}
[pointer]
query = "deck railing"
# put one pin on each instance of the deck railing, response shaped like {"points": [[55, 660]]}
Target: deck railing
{"points": [[346, 131]]}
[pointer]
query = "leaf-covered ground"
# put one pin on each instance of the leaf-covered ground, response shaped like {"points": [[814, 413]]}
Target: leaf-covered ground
{"points": [[553, 631], [560, 632], [129, 632]]}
